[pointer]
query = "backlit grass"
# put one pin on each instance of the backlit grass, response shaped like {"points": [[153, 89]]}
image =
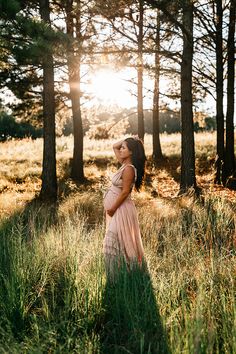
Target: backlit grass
{"points": [[54, 295]]}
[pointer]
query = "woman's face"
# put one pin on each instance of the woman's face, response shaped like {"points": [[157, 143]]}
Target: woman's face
{"points": [[124, 151]]}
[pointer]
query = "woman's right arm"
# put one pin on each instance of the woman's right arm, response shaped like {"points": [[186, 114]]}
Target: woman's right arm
{"points": [[116, 148]]}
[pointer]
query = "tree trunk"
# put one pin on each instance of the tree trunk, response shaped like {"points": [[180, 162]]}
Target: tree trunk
{"points": [[157, 153], [49, 179], [77, 172], [188, 178], [73, 62], [229, 152], [219, 94], [140, 73]]}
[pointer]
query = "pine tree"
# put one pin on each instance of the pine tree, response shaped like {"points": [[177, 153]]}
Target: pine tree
{"points": [[229, 150], [49, 179], [188, 177]]}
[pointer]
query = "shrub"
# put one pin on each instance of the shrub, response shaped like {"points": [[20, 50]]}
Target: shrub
{"points": [[9, 128]]}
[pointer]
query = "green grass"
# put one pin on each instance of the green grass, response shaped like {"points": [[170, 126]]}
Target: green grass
{"points": [[54, 297]]}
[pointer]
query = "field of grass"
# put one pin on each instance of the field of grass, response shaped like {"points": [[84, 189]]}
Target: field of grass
{"points": [[54, 297]]}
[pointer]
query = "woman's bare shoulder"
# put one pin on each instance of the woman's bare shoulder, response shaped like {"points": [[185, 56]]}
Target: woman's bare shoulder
{"points": [[128, 171]]}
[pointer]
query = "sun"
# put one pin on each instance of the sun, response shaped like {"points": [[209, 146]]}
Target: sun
{"points": [[109, 87]]}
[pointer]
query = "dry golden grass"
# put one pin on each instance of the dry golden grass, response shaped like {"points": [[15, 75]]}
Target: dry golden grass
{"points": [[21, 165]]}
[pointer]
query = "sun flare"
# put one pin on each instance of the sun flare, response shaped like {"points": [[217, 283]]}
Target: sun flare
{"points": [[109, 87]]}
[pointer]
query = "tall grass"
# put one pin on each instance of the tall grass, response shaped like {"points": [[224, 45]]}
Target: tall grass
{"points": [[54, 297], [192, 261], [51, 283], [54, 293]]}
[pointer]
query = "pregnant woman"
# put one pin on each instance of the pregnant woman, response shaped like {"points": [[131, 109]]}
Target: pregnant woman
{"points": [[123, 240]]}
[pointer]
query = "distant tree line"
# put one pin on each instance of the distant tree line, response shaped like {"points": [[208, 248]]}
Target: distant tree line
{"points": [[169, 123], [10, 128], [106, 123]]}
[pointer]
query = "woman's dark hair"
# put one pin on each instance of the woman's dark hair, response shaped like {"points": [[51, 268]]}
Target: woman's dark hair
{"points": [[138, 159]]}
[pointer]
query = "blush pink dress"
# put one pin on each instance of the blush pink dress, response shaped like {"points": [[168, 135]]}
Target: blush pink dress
{"points": [[122, 238]]}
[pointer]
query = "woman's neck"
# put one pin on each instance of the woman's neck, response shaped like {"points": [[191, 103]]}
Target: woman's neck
{"points": [[127, 161]]}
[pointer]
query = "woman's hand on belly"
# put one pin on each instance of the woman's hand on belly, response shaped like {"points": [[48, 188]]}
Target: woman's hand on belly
{"points": [[127, 178], [111, 212]]}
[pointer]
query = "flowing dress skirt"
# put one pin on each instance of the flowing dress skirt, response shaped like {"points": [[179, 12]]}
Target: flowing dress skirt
{"points": [[122, 238]]}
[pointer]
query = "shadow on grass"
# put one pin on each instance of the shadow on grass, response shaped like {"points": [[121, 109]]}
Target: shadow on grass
{"points": [[170, 164], [36, 217], [132, 320], [16, 235]]}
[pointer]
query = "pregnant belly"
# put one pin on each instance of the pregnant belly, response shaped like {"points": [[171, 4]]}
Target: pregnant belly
{"points": [[109, 199]]}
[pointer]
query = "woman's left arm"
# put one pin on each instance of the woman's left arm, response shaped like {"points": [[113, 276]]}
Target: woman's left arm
{"points": [[127, 181]]}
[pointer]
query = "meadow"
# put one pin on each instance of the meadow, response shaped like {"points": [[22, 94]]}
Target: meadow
{"points": [[54, 297]]}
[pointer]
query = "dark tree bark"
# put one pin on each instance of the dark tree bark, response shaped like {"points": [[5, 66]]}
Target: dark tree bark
{"points": [[49, 179], [73, 61], [157, 152], [219, 94], [141, 131], [188, 178], [229, 151]]}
